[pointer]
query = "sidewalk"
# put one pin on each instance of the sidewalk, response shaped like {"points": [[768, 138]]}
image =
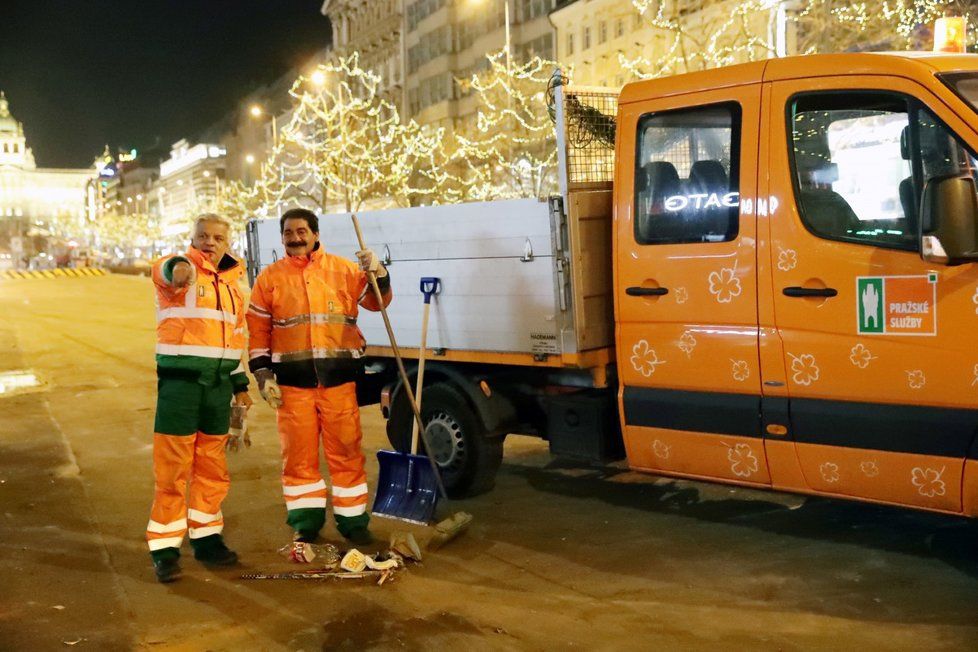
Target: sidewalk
{"points": [[58, 587]]}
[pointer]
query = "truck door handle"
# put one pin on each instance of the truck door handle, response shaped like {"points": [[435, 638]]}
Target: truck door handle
{"points": [[638, 291], [797, 291]]}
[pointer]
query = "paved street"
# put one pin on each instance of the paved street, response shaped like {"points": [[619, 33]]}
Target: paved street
{"points": [[559, 556]]}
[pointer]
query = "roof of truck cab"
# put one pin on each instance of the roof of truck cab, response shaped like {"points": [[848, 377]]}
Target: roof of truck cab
{"points": [[903, 64]]}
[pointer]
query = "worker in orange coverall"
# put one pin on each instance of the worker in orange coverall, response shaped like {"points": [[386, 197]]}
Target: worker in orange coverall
{"points": [[306, 352], [200, 345]]}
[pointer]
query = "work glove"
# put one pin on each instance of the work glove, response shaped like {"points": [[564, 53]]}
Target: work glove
{"points": [[235, 439], [238, 432], [370, 263], [268, 386]]}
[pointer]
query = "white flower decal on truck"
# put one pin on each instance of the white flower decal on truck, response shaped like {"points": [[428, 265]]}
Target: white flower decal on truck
{"points": [[829, 471], [916, 379], [860, 356], [928, 481], [682, 295], [740, 370], [661, 449], [869, 468], [724, 285], [787, 259], [742, 460], [644, 359], [804, 369]]}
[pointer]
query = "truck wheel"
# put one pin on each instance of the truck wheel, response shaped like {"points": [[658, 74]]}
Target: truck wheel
{"points": [[467, 459]]}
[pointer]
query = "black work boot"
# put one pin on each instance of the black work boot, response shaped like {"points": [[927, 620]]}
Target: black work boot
{"points": [[360, 536], [211, 551], [167, 569], [305, 536]]}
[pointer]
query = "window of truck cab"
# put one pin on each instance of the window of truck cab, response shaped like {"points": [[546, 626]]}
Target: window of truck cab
{"points": [[860, 160], [687, 175]]}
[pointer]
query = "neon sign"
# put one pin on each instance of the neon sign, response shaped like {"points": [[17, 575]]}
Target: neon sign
{"points": [[678, 203]]}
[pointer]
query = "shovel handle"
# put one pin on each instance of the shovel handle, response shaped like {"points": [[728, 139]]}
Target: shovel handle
{"points": [[420, 386], [372, 278]]}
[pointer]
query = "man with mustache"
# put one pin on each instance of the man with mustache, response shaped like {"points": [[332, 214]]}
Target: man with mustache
{"points": [[306, 353], [200, 342]]}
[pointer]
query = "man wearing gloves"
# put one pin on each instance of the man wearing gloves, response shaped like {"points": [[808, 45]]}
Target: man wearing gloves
{"points": [[306, 353], [200, 343]]}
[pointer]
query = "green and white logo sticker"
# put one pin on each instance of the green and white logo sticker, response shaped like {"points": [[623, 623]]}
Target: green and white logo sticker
{"points": [[896, 305]]}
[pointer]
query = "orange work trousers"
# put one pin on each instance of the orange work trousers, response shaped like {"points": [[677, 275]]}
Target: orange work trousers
{"points": [[179, 460], [329, 415]]}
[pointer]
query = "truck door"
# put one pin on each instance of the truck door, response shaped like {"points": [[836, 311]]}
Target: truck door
{"points": [[685, 284], [880, 362]]}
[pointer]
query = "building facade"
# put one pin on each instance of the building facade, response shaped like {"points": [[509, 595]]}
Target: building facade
{"points": [[447, 40], [375, 30], [49, 202], [594, 37], [189, 182]]}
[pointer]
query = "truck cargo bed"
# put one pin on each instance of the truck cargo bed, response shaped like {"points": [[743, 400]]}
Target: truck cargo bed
{"points": [[519, 283]]}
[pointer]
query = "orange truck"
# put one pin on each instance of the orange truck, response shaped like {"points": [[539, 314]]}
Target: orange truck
{"points": [[761, 275]]}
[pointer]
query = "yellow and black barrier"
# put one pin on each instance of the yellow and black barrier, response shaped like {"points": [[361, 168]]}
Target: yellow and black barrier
{"points": [[61, 272]]}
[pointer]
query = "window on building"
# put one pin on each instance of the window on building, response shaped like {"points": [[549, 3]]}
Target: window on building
{"points": [[602, 32], [570, 44], [619, 28], [541, 46], [421, 9], [530, 9], [435, 44], [853, 160], [687, 175], [6, 148], [586, 39], [16, 147], [638, 21]]}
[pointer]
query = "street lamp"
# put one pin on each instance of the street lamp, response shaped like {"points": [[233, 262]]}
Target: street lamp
{"points": [[249, 159], [318, 78], [255, 111]]}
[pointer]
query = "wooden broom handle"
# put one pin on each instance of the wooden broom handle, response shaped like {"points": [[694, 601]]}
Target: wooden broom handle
{"points": [[405, 381]]}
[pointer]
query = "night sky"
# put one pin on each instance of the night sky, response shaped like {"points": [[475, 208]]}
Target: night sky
{"points": [[132, 73]]}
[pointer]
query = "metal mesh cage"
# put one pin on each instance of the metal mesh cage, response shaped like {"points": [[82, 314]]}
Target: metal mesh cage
{"points": [[589, 116]]}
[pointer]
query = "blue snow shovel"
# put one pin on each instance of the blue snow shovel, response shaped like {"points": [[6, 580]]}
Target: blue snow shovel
{"points": [[407, 490], [409, 484]]}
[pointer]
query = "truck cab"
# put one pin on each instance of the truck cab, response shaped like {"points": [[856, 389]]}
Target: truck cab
{"points": [[794, 280]]}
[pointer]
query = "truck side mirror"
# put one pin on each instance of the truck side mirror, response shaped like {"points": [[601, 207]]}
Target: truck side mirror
{"points": [[949, 220]]}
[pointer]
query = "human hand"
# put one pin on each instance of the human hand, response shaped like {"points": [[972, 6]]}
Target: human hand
{"points": [[181, 274], [369, 261], [268, 387]]}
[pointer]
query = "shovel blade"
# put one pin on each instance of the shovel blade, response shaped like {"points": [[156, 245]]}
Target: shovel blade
{"points": [[406, 488]]}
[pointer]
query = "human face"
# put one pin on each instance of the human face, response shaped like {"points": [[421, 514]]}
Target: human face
{"points": [[212, 239], [298, 238]]}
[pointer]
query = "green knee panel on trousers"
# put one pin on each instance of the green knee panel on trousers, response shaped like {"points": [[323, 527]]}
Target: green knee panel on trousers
{"points": [[184, 407]]}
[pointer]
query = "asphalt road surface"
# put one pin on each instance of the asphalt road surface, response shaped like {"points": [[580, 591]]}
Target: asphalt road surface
{"points": [[559, 556]]}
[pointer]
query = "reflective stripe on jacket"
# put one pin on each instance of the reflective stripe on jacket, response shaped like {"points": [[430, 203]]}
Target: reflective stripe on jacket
{"points": [[200, 328], [302, 320]]}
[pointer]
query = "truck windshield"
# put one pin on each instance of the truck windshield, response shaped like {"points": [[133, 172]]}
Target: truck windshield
{"points": [[965, 85]]}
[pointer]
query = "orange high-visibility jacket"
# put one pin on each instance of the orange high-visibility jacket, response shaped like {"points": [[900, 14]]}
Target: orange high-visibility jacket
{"points": [[200, 328], [302, 320]]}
